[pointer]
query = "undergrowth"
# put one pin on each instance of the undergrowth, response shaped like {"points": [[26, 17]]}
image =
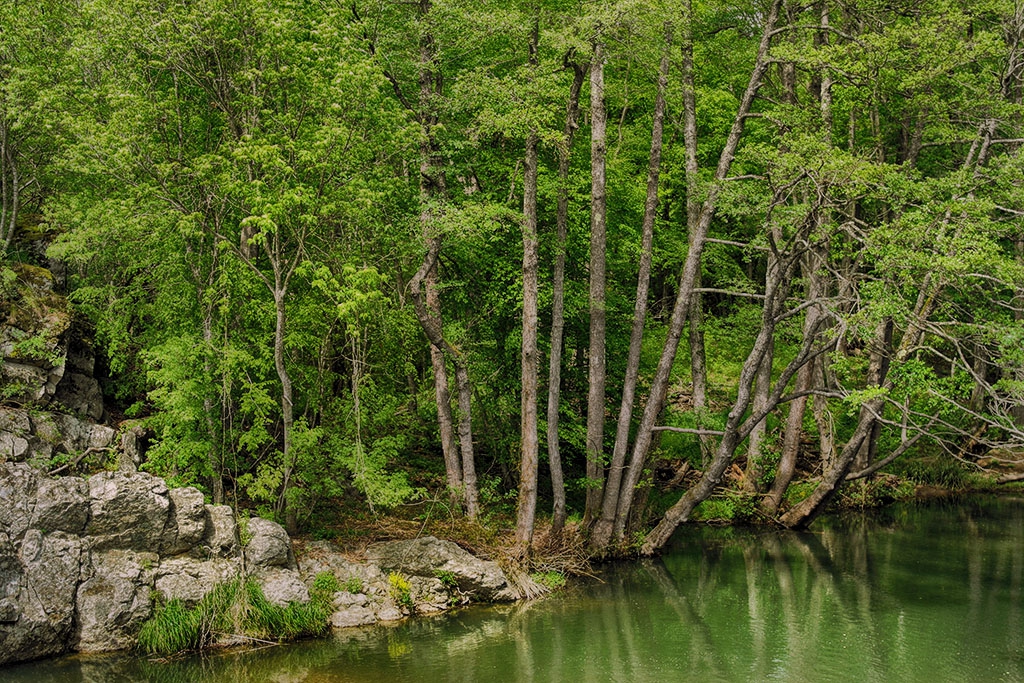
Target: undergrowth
{"points": [[235, 609]]}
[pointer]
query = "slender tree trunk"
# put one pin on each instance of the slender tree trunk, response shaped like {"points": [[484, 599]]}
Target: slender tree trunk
{"points": [[755, 445], [681, 309], [878, 367], [736, 428], [558, 513], [458, 460], [603, 528], [287, 410], [596, 367], [442, 395], [804, 381], [470, 497], [527, 506], [698, 357]]}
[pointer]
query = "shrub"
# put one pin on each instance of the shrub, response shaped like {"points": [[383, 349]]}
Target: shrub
{"points": [[401, 590]]}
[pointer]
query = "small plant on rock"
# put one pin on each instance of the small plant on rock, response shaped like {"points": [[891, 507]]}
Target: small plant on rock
{"points": [[401, 591]]}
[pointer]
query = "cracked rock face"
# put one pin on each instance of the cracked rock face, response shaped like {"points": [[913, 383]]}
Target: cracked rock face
{"points": [[81, 559]]}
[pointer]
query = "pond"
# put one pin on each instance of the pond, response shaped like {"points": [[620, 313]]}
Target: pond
{"points": [[914, 593]]}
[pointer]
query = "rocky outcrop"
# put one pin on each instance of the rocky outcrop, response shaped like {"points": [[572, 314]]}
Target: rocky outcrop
{"points": [[47, 375], [38, 436], [81, 561], [428, 557], [399, 578]]}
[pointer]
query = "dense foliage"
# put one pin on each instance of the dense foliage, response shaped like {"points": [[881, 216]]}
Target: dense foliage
{"points": [[322, 246]]}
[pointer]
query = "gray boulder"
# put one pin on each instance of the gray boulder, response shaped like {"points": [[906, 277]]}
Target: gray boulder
{"points": [[129, 511], [81, 395], [281, 586], [220, 535], [189, 580], [37, 595], [188, 516], [269, 545], [18, 485], [61, 505], [114, 600], [428, 556]]}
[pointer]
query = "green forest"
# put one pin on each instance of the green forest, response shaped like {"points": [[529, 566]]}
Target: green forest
{"points": [[615, 265]]}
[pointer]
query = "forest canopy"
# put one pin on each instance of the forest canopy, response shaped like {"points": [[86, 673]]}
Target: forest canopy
{"points": [[612, 255]]}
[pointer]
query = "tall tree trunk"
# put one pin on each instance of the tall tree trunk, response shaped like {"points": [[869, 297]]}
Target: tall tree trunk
{"points": [[527, 506], [603, 528], [442, 395], [797, 407], [698, 357], [458, 461], [681, 309], [558, 513], [736, 428], [755, 445], [286, 502], [596, 353]]}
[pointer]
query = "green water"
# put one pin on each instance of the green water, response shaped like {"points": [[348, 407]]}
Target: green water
{"points": [[919, 593]]}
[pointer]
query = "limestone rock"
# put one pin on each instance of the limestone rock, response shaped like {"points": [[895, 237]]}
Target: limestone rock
{"points": [[427, 556], [281, 586], [188, 579], [114, 601], [188, 513], [18, 485], [269, 545], [129, 511], [220, 535], [80, 394], [15, 431], [37, 589], [352, 609], [61, 505]]}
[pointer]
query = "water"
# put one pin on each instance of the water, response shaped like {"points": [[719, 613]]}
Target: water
{"points": [[919, 593]]}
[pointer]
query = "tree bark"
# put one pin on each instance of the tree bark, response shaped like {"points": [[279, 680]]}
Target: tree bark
{"points": [[527, 506], [558, 513], [681, 309], [603, 528], [755, 445], [596, 349]]}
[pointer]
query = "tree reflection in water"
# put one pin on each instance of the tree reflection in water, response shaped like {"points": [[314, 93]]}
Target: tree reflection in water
{"points": [[913, 594]]}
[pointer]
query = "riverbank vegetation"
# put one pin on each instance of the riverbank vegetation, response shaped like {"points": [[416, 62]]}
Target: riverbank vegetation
{"points": [[236, 612], [616, 263]]}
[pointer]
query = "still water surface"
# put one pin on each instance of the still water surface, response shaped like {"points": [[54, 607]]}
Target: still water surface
{"points": [[918, 593]]}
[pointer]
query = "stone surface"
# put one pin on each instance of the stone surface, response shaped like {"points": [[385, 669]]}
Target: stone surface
{"points": [[128, 511], [38, 584], [269, 545], [61, 505], [18, 485], [114, 600], [80, 562], [188, 517], [189, 579], [80, 394], [38, 436], [427, 556], [220, 536], [282, 586]]}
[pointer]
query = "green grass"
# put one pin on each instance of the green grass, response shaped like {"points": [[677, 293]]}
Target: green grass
{"points": [[235, 608]]}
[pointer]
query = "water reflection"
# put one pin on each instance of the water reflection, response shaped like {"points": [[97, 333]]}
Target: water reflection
{"points": [[916, 594]]}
